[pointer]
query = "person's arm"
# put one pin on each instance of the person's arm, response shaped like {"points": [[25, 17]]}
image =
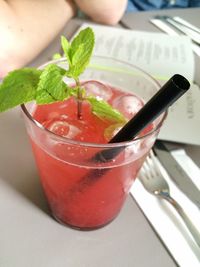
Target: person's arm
{"points": [[27, 27], [103, 11]]}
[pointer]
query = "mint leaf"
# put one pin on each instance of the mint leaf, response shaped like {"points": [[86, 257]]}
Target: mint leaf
{"points": [[105, 111], [77, 54], [56, 56], [18, 87], [65, 46], [80, 51], [51, 87]]}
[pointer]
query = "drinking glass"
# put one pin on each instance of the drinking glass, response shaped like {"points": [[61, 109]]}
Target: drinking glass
{"points": [[83, 191]]}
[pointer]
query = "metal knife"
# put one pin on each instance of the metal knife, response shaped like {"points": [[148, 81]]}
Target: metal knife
{"points": [[186, 24], [183, 29], [162, 25], [177, 173]]}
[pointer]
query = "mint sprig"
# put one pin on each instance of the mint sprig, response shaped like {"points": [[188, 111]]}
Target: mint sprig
{"points": [[47, 85]]}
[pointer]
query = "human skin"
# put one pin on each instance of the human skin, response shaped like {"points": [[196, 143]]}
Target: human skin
{"points": [[27, 27], [103, 11]]}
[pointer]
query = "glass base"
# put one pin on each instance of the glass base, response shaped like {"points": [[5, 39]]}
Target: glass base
{"points": [[81, 228]]}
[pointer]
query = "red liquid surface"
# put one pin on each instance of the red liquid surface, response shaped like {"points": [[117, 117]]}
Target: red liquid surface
{"points": [[83, 193]]}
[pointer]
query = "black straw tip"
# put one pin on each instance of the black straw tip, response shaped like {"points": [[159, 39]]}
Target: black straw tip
{"points": [[181, 82]]}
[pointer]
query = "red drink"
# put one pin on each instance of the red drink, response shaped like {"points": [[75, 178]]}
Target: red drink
{"points": [[83, 192], [97, 201]]}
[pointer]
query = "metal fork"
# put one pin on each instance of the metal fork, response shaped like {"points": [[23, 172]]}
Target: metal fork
{"points": [[154, 182]]}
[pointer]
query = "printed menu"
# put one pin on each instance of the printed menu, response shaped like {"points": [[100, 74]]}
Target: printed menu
{"points": [[161, 56], [157, 53], [183, 120]]}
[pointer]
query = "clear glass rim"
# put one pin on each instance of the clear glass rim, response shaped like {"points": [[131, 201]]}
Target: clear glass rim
{"points": [[89, 144]]}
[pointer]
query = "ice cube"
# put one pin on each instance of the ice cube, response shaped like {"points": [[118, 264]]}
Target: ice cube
{"points": [[98, 89], [133, 150], [52, 115], [73, 131], [64, 128], [128, 105]]}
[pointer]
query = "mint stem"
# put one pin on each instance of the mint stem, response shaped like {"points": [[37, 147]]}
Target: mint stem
{"points": [[79, 100]]}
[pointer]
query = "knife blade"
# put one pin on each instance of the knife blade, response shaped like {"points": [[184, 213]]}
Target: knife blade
{"points": [[177, 173], [194, 36], [163, 26], [186, 24]]}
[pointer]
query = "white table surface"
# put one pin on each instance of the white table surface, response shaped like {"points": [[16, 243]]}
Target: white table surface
{"points": [[30, 237]]}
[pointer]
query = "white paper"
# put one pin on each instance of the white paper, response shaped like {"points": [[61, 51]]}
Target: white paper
{"points": [[166, 221], [183, 121], [157, 53]]}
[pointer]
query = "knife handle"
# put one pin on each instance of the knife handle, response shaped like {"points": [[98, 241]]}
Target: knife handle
{"points": [[190, 226]]}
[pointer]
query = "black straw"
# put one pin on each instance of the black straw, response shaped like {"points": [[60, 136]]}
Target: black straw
{"points": [[173, 89], [165, 97]]}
